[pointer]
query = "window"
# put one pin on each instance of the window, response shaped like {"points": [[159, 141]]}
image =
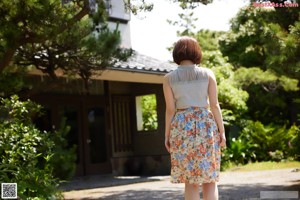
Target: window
{"points": [[146, 112]]}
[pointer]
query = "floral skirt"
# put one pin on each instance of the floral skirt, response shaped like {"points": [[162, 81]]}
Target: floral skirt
{"points": [[195, 151]]}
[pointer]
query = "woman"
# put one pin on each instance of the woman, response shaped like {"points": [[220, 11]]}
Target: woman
{"points": [[194, 133]]}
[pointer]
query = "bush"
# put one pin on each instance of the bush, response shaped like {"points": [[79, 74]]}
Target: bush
{"points": [[271, 141], [258, 142], [239, 152], [295, 147], [26, 152], [64, 156]]}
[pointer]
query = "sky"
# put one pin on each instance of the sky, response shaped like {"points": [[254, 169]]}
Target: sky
{"points": [[151, 34]]}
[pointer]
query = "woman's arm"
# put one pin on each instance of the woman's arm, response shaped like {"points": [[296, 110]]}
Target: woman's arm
{"points": [[170, 110], [215, 107]]}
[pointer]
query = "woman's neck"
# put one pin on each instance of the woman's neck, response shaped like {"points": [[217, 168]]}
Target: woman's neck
{"points": [[186, 62]]}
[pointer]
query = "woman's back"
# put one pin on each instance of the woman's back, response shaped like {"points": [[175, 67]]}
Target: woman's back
{"points": [[190, 86]]}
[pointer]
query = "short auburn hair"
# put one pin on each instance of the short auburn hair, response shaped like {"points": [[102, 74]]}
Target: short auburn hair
{"points": [[187, 48]]}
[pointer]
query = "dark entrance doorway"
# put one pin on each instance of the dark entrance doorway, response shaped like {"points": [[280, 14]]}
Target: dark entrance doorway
{"points": [[88, 119]]}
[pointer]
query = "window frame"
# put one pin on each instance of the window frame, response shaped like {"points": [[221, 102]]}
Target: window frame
{"points": [[139, 120]]}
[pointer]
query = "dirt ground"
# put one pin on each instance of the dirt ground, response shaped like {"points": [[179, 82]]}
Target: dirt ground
{"points": [[232, 186]]}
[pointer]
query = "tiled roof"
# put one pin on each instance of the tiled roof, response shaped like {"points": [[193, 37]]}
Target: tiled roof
{"points": [[144, 64]]}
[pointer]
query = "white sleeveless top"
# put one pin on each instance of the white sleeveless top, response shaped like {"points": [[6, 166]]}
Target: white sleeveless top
{"points": [[190, 86]]}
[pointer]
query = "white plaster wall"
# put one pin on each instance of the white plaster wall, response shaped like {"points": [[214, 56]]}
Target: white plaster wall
{"points": [[125, 33], [118, 10]]}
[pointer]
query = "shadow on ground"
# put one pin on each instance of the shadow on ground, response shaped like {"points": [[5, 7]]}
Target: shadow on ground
{"points": [[92, 182], [227, 192]]}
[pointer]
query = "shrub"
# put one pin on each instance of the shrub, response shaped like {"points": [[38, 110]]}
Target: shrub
{"points": [[258, 142], [271, 141], [64, 156], [239, 152], [295, 147], [26, 152]]}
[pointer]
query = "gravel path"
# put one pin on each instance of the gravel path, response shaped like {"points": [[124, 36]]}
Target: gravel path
{"points": [[233, 186]]}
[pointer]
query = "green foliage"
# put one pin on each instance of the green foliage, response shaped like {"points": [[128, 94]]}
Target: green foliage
{"points": [[283, 50], [270, 138], [136, 6], [231, 96], [268, 38], [29, 157], [209, 40], [239, 152], [263, 45], [11, 81], [266, 165], [191, 4], [268, 79], [149, 112], [263, 86], [258, 142], [15, 111], [25, 151], [295, 147], [242, 44], [71, 37], [63, 159]]}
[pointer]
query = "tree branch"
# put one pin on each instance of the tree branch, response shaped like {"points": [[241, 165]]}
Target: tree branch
{"points": [[33, 38]]}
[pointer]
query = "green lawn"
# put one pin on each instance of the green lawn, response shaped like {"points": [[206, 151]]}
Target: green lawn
{"points": [[265, 166]]}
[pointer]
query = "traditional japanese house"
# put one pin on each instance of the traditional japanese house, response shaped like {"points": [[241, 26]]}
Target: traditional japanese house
{"points": [[107, 125]]}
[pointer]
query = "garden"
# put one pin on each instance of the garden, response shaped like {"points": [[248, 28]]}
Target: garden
{"points": [[256, 64]]}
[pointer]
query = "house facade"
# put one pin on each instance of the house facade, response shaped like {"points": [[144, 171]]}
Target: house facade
{"points": [[106, 125]]}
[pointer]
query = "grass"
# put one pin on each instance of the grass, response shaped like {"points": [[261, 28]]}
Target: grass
{"points": [[265, 166]]}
